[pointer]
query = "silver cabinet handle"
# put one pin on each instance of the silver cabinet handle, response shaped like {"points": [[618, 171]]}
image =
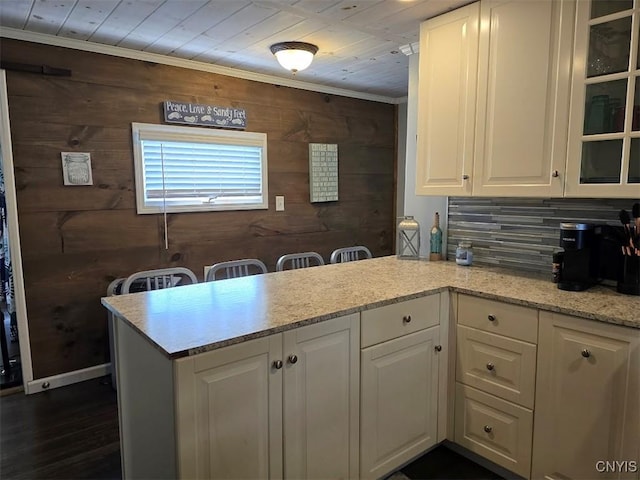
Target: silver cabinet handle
{"points": [[438, 348], [465, 177], [555, 174], [491, 317], [585, 353], [487, 429], [277, 364], [406, 319], [490, 366], [293, 358]]}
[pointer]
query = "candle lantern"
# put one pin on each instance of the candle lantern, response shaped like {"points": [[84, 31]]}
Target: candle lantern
{"points": [[409, 239]]}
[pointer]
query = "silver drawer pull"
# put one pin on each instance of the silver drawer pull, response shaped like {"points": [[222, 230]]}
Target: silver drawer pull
{"points": [[490, 366], [406, 319], [491, 317], [488, 429], [277, 364], [293, 358], [585, 353]]}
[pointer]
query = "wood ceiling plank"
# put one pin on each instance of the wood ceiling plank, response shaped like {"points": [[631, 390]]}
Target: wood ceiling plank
{"points": [[48, 17], [197, 24], [202, 48], [255, 37], [163, 19], [123, 19], [86, 17], [15, 13]]}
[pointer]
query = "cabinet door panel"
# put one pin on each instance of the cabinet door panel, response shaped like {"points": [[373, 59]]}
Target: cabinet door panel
{"points": [[523, 97], [604, 117], [587, 400], [447, 102], [399, 401], [230, 412], [321, 399]]}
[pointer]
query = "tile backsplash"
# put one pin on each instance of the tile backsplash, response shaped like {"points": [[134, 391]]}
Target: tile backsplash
{"points": [[522, 233]]}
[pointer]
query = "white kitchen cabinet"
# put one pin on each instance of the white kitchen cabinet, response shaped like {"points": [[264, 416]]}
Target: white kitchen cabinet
{"points": [[399, 383], [510, 138], [281, 406], [230, 406], [587, 399], [498, 430], [604, 138], [495, 380], [447, 81]]}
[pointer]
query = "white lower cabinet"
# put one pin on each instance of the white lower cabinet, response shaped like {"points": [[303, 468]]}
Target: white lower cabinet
{"points": [[495, 375], [494, 428], [283, 406], [587, 400], [399, 384]]}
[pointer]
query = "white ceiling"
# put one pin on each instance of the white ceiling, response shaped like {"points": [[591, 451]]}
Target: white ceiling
{"points": [[358, 40]]}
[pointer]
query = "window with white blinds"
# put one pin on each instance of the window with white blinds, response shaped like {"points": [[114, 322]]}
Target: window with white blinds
{"points": [[189, 169]]}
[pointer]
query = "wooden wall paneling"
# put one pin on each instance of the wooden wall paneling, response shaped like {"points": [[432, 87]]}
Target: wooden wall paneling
{"points": [[77, 239], [42, 190]]}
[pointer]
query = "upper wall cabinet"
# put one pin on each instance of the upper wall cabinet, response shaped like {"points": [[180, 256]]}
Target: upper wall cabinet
{"points": [[604, 137], [447, 102], [510, 139]]}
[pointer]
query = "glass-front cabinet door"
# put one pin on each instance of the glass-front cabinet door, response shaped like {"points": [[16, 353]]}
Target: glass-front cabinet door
{"points": [[604, 126]]}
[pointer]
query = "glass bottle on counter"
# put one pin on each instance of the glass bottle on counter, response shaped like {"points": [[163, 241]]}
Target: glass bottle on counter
{"points": [[435, 252]]}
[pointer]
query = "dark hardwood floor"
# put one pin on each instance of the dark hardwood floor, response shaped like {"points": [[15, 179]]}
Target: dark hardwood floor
{"points": [[72, 433], [65, 433]]}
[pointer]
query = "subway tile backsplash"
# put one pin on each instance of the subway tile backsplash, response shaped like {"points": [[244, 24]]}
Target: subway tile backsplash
{"points": [[522, 233]]}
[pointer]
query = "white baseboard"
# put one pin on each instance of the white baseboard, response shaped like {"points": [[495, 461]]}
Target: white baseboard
{"points": [[55, 381]]}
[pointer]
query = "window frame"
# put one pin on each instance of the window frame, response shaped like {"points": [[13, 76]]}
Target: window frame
{"points": [[181, 133]]}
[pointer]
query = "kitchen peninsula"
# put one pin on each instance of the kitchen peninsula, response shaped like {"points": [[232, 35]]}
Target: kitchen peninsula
{"points": [[209, 381]]}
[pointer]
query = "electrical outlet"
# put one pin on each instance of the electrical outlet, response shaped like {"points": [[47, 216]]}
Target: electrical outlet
{"points": [[279, 203]]}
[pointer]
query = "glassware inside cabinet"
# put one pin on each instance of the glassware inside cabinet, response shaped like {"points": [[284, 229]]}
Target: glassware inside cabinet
{"points": [[609, 47], [634, 162], [635, 120], [600, 8], [605, 107], [601, 161]]}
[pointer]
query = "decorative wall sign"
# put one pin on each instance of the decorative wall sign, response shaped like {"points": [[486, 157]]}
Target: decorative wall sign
{"points": [[76, 168], [323, 172], [204, 115]]}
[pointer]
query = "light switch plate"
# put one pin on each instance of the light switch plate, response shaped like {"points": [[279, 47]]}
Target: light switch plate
{"points": [[279, 203]]}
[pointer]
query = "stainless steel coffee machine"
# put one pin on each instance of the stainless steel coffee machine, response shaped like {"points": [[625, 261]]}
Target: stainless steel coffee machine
{"points": [[578, 263]]}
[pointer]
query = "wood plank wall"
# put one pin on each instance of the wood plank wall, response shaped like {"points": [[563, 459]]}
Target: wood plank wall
{"points": [[76, 240]]}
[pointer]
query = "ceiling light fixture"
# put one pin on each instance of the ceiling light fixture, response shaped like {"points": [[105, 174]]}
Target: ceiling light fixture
{"points": [[294, 56]]}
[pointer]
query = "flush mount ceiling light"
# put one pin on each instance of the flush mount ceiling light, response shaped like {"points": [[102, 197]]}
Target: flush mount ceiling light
{"points": [[294, 56]]}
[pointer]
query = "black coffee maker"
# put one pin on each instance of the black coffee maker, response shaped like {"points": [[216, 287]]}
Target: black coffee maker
{"points": [[577, 265]]}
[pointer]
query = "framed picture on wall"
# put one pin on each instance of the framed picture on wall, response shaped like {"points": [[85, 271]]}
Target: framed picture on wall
{"points": [[76, 168]]}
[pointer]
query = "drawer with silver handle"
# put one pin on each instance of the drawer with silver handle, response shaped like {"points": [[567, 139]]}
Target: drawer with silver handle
{"points": [[498, 365], [493, 428], [392, 321], [507, 319]]}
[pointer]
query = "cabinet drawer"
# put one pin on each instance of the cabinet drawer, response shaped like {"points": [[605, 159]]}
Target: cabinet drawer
{"points": [[513, 321], [392, 321], [493, 428], [495, 364]]}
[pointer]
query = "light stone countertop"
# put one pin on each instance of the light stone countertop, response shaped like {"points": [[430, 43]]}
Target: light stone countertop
{"points": [[192, 319]]}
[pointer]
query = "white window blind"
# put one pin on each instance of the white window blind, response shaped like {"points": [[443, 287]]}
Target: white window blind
{"points": [[180, 169]]}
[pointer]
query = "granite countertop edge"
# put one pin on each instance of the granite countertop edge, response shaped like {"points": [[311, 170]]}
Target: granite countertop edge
{"points": [[486, 282]]}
